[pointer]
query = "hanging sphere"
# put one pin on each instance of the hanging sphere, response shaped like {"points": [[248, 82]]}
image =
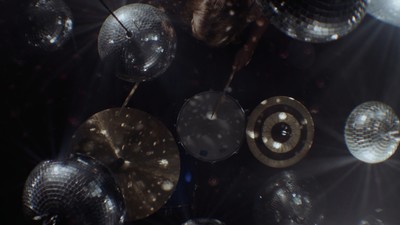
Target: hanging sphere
{"points": [[315, 20], [203, 221], [74, 191], [143, 51], [48, 24], [289, 199], [385, 10], [371, 131]]}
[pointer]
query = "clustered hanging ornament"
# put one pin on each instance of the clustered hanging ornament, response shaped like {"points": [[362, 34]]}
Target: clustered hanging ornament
{"points": [[315, 20], [125, 164], [48, 24], [372, 132]]}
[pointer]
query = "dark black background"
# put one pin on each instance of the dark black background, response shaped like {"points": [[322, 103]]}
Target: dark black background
{"points": [[46, 96]]}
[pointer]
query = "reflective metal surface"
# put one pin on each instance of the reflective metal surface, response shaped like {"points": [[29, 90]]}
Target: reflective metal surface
{"points": [[74, 191], [203, 221], [385, 10], [280, 131], [211, 137], [315, 20], [372, 132], [289, 199], [140, 151], [49, 24], [146, 51]]}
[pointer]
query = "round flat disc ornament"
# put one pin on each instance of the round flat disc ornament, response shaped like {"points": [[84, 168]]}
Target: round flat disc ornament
{"points": [[139, 150], [280, 131], [207, 136]]}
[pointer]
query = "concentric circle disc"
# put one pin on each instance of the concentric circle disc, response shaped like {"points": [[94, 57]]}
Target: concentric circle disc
{"points": [[280, 131], [140, 151], [211, 137]]}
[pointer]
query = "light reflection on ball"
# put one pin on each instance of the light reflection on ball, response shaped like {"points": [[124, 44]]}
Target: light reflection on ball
{"points": [[371, 131], [385, 10], [143, 53], [315, 20], [203, 221], [49, 24], [289, 199]]}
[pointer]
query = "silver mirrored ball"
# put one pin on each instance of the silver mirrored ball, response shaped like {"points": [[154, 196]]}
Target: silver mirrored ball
{"points": [[49, 24], [371, 132], [315, 20], [142, 52]]}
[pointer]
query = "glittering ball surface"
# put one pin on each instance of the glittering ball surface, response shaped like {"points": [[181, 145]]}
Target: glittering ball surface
{"points": [[385, 10], [315, 20], [289, 199], [49, 24], [146, 51], [203, 221], [74, 191], [369, 132]]}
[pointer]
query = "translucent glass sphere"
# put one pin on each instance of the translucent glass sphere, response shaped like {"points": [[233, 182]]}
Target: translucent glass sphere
{"points": [[144, 51], [49, 24], [315, 20], [385, 10], [289, 199], [371, 132], [74, 191]]}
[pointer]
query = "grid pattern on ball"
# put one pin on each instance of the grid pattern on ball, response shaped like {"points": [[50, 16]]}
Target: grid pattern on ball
{"points": [[289, 198], [367, 131], [74, 190], [150, 49], [50, 24], [313, 20]]}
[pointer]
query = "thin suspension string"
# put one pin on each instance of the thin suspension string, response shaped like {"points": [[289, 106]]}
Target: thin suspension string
{"points": [[128, 33], [221, 98]]}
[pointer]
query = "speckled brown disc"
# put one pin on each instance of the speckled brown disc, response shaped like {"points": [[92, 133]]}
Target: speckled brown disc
{"points": [[139, 150]]}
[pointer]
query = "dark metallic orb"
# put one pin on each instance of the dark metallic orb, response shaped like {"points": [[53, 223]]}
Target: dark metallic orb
{"points": [[211, 137], [315, 20], [289, 199], [74, 191], [143, 52], [49, 24], [372, 132]]}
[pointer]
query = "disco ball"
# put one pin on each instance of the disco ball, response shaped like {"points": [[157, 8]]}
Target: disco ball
{"points": [[203, 221], [142, 51], [49, 24], [289, 199], [74, 191], [315, 20], [385, 10], [371, 131]]}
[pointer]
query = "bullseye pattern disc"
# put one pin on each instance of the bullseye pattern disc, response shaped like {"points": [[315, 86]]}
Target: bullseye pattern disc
{"points": [[280, 131]]}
